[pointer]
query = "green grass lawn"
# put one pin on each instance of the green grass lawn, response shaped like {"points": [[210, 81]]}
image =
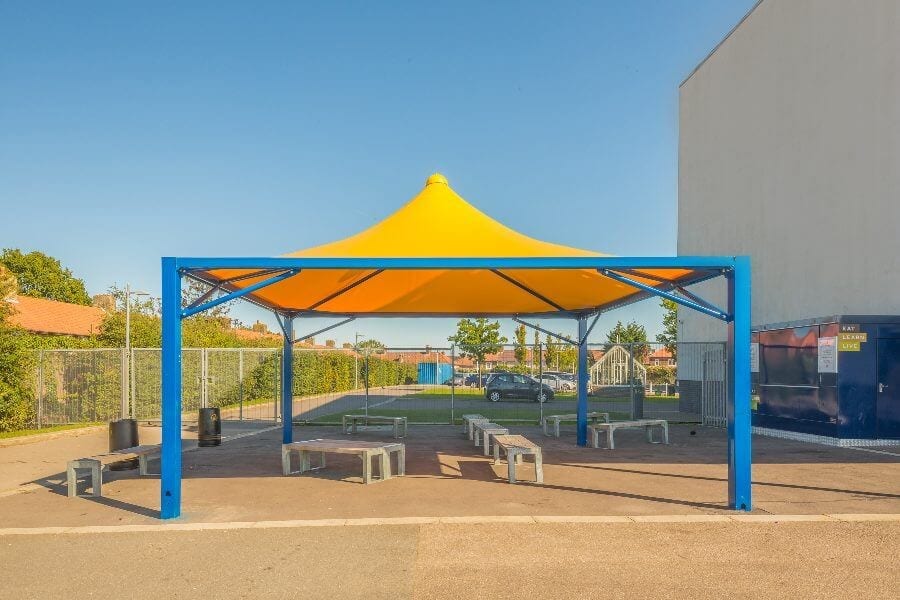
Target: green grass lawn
{"points": [[525, 415], [22, 432], [473, 393]]}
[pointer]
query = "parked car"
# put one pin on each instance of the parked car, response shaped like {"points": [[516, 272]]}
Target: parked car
{"points": [[473, 380], [455, 380], [513, 385], [558, 383]]}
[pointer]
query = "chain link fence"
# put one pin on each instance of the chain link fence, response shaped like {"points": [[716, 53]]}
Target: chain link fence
{"points": [[506, 383]]}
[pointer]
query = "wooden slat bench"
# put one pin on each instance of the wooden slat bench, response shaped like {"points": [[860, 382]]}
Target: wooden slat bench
{"points": [[349, 423], [516, 446], [366, 451], [96, 464], [555, 420], [610, 428], [484, 430]]}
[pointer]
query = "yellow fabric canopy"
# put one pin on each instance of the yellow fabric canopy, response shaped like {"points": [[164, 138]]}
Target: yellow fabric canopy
{"points": [[438, 223]]}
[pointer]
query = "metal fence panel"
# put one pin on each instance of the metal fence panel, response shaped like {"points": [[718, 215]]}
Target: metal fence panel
{"points": [[425, 384], [78, 386]]}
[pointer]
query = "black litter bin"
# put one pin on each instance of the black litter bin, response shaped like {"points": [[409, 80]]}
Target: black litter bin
{"points": [[209, 428], [123, 434]]}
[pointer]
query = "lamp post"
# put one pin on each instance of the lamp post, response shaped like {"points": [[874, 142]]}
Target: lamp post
{"points": [[126, 396], [356, 360]]}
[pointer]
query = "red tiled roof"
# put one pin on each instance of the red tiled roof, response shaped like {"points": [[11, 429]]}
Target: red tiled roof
{"points": [[250, 334], [662, 353], [51, 317], [414, 357]]}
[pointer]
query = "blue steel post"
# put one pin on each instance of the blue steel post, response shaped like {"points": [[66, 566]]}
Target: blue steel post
{"points": [[170, 479], [582, 381], [287, 383], [738, 407]]}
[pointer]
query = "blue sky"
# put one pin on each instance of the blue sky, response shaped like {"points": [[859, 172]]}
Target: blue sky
{"points": [[136, 130]]}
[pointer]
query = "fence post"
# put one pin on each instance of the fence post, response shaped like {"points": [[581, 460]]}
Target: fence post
{"points": [[240, 384], [131, 380], [631, 377], [40, 398], [123, 382], [452, 381], [541, 379]]}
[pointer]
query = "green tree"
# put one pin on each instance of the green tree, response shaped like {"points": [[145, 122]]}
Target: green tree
{"points": [[371, 345], [669, 336], [476, 338], [630, 333], [42, 276], [660, 374], [536, 351], [560, 354], [521, 349], [16, 408]]}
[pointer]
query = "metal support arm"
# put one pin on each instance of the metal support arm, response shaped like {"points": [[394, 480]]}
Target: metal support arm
{"points": [[705, 308], [542, 330], [187, 312], [323, 330]]}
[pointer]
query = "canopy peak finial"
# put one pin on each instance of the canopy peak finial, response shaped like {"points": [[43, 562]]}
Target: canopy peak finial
{"points": [[436, 178]]}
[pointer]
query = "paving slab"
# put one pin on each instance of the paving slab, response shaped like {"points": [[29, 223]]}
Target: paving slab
{"points": [[241, 481]]}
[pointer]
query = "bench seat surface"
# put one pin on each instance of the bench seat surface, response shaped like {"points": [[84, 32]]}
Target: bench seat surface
{"points": [[515, 441], [323, 445], [115, 456]]}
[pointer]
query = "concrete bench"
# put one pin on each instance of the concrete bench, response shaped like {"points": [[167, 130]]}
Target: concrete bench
{"points": [[484, 430], [96, 464], [610, 429], [466, 419], [469, 422], [366, 451], [555, 420], [515, 447], [349, 423]]}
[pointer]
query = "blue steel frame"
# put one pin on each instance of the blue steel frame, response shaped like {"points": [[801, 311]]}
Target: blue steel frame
{"points": [[736, 270]]}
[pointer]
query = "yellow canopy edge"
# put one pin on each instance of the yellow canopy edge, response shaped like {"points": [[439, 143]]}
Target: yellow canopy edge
{"points": [[438, 223]]}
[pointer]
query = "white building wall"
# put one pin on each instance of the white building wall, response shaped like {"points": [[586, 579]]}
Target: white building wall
{"points": [[789, 151]]}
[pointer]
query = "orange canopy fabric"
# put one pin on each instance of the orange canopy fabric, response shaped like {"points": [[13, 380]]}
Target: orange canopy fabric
{"points": [[438, 223]]}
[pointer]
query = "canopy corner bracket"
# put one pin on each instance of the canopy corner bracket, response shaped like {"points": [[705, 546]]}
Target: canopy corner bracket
{"points": [[198, 308], [695, 303]]}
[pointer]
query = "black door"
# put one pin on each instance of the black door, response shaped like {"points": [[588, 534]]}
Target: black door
{"points": [[887, 402]]}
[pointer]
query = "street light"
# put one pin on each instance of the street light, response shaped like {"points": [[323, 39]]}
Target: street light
{"points": [[356, 360], [125, 392]]}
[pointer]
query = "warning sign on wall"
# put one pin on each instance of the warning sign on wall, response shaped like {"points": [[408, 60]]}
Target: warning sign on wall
{"points": [[828, 355]]}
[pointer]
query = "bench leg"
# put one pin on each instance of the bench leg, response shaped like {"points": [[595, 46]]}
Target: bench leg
{"points": [[511, 458], [322, 459], [487, 443], [496, 453], [304, 461], [285, 461], [367, 467], [385, 465], [538, 466], [544, 426], [96, 479], [72, 481], [401, 461], [610, 442], [665, 428], [595, 438], [477, 436], [556, 427]]}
